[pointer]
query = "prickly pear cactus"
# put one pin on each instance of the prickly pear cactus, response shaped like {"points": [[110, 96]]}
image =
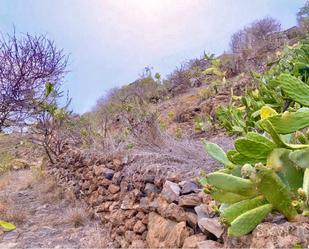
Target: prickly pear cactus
{"points": [[247, 221], [280, 162], [233, 211], [230, 183], [217, 153], [289, 122], [294, 88], [275, 191], [257, 147]]}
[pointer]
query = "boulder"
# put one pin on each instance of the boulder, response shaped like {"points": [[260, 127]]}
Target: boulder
{"points": [[171, 191], [163, 233], [211, 225]]}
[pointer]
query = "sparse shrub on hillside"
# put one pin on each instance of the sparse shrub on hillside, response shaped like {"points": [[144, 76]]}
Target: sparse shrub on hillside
{"points": [[251, 44], [179, 80], [216, 80]]}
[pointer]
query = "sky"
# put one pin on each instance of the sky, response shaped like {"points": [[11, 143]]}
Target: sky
{"points": [[111, 41]]}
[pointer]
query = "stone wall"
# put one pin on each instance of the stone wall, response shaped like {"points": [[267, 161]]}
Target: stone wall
{"points": [[152, 210]]}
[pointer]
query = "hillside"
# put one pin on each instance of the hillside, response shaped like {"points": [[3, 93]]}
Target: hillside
{"points": [[215, 155]]}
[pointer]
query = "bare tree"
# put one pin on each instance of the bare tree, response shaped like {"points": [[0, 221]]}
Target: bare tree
{"points": [[254, 36], [27, 63], [303, 16]]}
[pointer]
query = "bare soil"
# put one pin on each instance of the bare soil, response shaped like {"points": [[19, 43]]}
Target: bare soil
{"points": [[45, 216]]}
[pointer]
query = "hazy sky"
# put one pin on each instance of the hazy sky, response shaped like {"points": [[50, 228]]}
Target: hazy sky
{"points": [[111, 41]]}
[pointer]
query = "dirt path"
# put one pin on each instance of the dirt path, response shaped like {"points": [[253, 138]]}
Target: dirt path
{"points": [[45, 216]]}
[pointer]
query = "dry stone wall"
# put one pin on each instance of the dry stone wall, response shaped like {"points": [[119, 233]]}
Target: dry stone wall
{"points": [[141, 210], [157, 211]]}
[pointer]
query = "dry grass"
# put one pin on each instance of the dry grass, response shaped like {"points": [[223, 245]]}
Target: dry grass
{"points": [[77, 216], [10, 211], [49, 192]]}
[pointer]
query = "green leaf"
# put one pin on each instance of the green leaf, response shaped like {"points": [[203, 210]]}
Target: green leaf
{"points": [[49, 88], [217, 153], [279, 160], [289, 122], [294, 88], [254, 146], [300, 158], [6, 226], [202, 181]]}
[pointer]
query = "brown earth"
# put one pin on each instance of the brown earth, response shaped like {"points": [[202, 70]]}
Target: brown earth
{"points": [[45, 216]]}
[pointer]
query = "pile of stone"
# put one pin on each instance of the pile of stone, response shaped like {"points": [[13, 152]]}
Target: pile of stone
{"points": [[155, 210], [141, 210]]}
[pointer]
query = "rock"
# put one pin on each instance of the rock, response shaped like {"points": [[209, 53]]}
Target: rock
{"points": [[139, 227], [192, 241], [117, 164], [208, 244], [12, 235], [138, 244], [151, 188], [174, 177], [188, 187], [270, 235], [192, 220], [140, 215], [98, 169], [149, 179], [199, 210], [190, 200], [211, 225], [108, 173], [172, 211], [129, 223], [105, 182], [117, 178], [113, 188], [171, 191], [127, 203], [163, 233], [129, 235]]}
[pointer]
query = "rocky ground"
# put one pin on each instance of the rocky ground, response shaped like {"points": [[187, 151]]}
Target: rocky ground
{"points": [[45, 216]]}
